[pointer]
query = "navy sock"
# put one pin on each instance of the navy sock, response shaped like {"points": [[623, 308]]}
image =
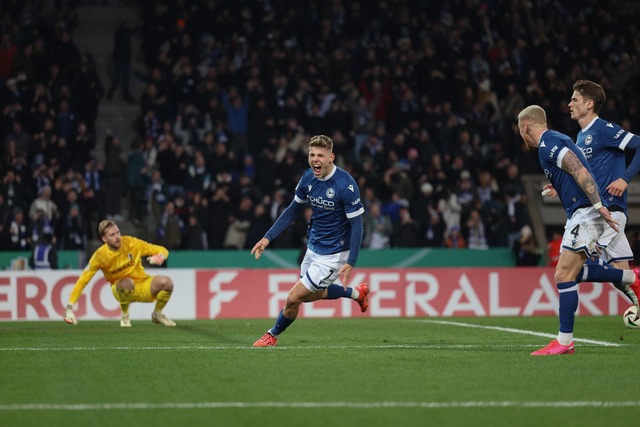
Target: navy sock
{"points": [[337, 291], [568, 305], [282, 323], [599, 273]]}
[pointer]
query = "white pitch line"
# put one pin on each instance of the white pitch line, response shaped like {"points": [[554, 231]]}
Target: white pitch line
{"points": [[279, 348], [356, 405], [519, 331]]}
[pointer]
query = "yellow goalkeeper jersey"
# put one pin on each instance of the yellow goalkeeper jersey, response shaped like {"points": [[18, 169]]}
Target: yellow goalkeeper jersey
{"points": [[116, 265]]}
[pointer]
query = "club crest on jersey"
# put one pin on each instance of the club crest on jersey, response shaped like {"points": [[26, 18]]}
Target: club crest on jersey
{"points": [[331, 193], [588, 140]]}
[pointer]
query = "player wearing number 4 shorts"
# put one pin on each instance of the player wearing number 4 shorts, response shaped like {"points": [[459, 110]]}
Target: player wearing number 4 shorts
{"points": [[120, 260], [566, 166]]}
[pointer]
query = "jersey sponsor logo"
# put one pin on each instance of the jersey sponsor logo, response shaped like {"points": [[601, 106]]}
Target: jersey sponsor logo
{"points": [[350, 187], [355, 202], [123, 268], [331, 193], [130, 257], [620, 132], [587, 151], [320, 202], [588, 140], [553, 151]]}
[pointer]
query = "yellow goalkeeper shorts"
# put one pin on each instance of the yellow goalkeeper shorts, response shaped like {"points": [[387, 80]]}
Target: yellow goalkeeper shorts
{"points": [[141, 292]]}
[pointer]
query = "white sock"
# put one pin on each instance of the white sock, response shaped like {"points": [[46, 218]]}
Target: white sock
{"points": [[628, 277], [354, 293], [565, 338]]}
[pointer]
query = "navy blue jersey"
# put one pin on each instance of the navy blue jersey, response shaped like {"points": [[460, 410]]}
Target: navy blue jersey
{"points": [[603, 144], [553, 147], [334, 199]]}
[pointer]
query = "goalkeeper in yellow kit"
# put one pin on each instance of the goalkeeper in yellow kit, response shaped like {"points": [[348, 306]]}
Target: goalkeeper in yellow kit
{"points": [[120, 259]]}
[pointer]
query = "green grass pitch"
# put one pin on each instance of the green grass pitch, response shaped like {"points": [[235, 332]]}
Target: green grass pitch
{"points": [[325, 372]]}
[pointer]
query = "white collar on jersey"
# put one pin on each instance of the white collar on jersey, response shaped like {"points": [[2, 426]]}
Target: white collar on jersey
{"points": [[590, 124], [329, 175]]}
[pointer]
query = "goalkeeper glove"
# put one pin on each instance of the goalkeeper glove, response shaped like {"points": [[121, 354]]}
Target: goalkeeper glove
{"points": [[69, 317], [156, 259]]}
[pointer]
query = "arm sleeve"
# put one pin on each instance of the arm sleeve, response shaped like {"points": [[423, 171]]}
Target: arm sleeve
{"points": [[634, 167], [149, 249], [356, 239], [284, 220], [83, 280]]}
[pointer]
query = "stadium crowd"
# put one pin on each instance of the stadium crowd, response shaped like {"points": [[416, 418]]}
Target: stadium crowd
{"points": [[419, 97]]}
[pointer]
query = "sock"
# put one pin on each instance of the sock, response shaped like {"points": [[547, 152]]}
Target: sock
{"points": [[282, 323], [161, 300], [600, 273], [594, 271], [568, 305], [125, 308], [565, 338], [337, 291]]}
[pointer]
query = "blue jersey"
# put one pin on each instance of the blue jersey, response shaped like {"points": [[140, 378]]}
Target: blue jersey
{"points": [[334, 199], [553, 147], [603, 144]]}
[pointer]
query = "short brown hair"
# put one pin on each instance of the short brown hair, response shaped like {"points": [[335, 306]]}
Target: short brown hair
{"points": [[593, 91], [104, 225], [321, 141]]}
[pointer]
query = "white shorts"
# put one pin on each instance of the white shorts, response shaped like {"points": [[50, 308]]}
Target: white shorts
{"points": [[319, 271], [583, 230], [614, 247]]}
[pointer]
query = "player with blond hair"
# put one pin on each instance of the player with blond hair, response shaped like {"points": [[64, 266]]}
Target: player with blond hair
{"points": [[588, 219], [335, 236], [120, 260]]}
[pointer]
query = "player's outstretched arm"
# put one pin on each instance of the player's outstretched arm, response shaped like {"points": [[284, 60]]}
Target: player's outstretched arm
{"points": [[259, 247], [69, 317]]}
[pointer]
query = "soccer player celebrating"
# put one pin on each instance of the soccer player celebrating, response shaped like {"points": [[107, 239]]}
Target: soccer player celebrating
{"points": [[588, 219], [120, 260], [335, 236], [604, 144]]}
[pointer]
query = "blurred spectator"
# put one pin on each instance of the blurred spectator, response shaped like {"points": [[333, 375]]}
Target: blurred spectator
{"points": [[43, 203], [378, 229], [44, 254], [18, 231], [406, 231], [219, 211], [194, 237], [259, 225], [526, 249], [169, 229], [454, 239], [73, 230], [476, 235], [554, 246], [239, 224]]}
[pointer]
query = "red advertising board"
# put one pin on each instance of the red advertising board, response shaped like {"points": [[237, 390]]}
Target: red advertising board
{"points": [[240, 293]]}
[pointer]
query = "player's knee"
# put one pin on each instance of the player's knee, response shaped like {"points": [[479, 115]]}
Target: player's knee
{"points": [[125, 285], [292, 302], [167, 284]]}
